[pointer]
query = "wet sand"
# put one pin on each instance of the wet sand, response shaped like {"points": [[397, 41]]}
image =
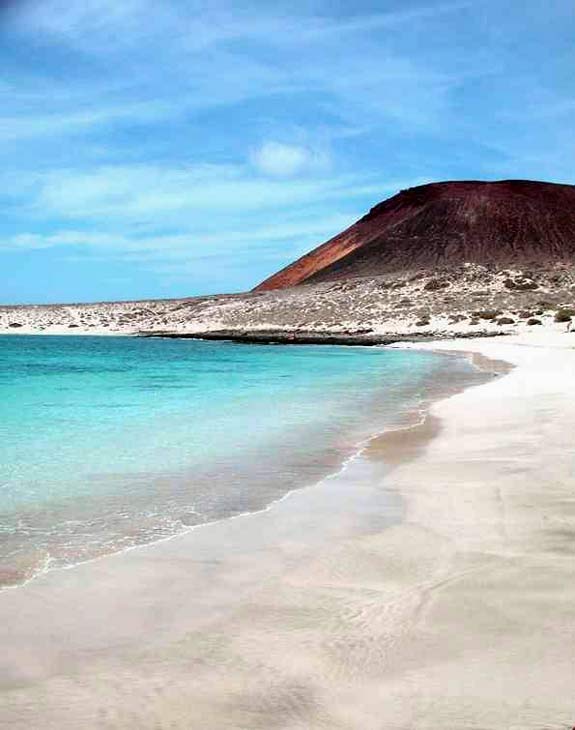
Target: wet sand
{"points": [[430, 585]]}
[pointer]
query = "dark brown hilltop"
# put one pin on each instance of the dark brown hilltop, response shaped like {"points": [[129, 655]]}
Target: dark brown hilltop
{"points": [[443, 224]]}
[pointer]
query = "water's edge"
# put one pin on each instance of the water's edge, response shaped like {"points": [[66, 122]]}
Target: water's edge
{"points": [[413, 420]]}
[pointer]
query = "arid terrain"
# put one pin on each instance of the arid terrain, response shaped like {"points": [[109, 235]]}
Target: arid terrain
{"points": [[468, 299]]}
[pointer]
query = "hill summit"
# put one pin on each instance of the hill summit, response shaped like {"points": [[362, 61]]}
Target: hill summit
{"points": [[517, 222]]}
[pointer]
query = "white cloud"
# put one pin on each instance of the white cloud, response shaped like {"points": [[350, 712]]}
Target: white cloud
{"points": [[29, 241], [174, 195], [283, 160], [193, 242]]}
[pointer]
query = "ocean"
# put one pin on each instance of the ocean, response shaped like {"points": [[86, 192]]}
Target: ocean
{"points": [[111, 442]]}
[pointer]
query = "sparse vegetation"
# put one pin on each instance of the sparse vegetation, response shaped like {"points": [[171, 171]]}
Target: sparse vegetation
{"points": [[486, 314], [475, 299], [436, 285], [564, 315]]}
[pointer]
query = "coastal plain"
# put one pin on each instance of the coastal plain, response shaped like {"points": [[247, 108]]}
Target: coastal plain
{"points": [[470, 300], [431, 590]]}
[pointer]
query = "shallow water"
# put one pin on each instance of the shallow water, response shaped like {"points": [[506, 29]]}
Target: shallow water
{"points": [[106, 443]]}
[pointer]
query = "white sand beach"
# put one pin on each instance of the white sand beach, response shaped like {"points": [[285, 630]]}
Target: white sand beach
{"points": [[437, 594]]}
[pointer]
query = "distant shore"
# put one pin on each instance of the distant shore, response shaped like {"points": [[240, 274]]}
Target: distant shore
{"points": [[267, 336], [458, 302], [313, 615]]}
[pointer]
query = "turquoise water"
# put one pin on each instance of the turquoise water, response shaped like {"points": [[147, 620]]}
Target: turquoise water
{"points": [[108, 442]]}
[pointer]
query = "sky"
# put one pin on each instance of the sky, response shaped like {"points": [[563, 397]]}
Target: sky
{"points": [[174, 148]]}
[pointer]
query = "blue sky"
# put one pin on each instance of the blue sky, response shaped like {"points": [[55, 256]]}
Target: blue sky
{"points": [[154, 149]]}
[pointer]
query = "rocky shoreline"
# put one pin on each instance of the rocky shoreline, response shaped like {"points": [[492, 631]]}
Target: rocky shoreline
{"points": [[278, 337]]}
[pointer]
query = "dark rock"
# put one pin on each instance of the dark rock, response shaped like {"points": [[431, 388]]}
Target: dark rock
{"points": [[505, 320], [533, 321], [282, 337], [14, 325]]}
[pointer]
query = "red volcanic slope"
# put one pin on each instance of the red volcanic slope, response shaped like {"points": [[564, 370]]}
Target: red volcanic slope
{"points": [[512, 221]]}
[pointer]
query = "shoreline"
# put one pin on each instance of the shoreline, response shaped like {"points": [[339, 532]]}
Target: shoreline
{"points": [[360, 449], [437, 390], [311, 627], [270, 337]]}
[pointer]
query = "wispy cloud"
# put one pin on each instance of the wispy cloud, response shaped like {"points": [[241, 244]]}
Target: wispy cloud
{"points": [[156, 216], [23, 127], [162, 194], [175, 51], [180, 246]]}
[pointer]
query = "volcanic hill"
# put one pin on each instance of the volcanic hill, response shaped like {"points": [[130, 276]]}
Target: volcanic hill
{"points": [[443, 224]]}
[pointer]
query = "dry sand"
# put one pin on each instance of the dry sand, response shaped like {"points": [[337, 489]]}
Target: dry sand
{"points": [[444, 599]]}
